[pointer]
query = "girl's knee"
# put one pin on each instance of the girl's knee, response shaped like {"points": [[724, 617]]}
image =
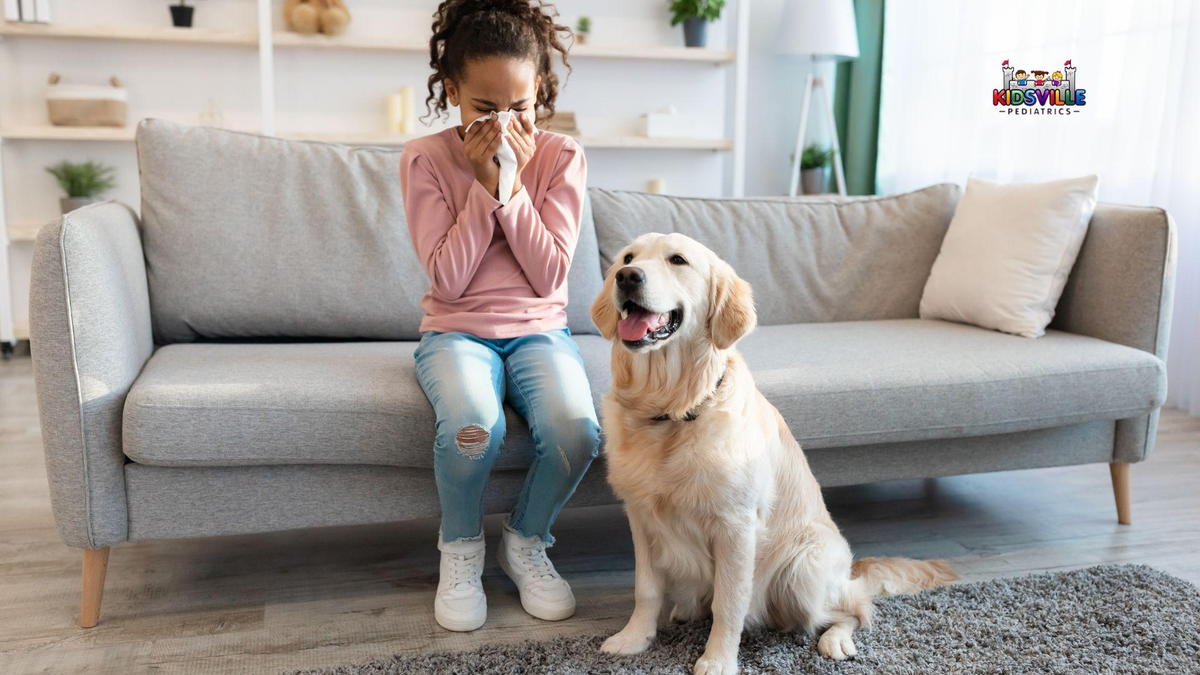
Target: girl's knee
{"points": [[576, 442], [472, 440]]}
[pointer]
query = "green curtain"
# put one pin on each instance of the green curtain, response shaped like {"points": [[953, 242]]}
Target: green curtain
{"points": [[856, 100]]}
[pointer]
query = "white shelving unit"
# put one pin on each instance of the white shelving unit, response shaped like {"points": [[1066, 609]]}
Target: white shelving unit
{"points": [[48, 132], [23, 231], [268, 41], [126, 134], [198, 36], [287, 40]]}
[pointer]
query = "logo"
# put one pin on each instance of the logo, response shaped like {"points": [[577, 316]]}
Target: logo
{"points": [[1039, 92]]}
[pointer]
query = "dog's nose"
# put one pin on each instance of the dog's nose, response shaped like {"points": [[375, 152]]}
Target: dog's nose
{"points": [[629, 278]]}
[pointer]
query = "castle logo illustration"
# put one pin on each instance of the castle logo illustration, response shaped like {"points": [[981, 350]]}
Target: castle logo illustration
{"points": [[1039, 92]]}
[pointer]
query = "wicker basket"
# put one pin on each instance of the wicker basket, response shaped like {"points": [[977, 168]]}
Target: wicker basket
{"points": [[83, 105]]}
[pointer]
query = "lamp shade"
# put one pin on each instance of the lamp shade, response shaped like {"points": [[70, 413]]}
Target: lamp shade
{"points": [[821, 28]]}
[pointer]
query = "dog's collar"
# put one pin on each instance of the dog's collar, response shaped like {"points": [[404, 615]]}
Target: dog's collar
{"points": [[692, 414]]}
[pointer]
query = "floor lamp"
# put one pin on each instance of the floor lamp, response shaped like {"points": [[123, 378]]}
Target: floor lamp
{"points": [[821, 30]]}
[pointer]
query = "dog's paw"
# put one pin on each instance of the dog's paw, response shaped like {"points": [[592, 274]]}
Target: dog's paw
{"points": [[627, 642], [837, 645], [711, 665]]}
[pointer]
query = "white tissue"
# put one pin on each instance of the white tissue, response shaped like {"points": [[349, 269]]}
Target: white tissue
{"points": [[507, 158], [505, 155]]}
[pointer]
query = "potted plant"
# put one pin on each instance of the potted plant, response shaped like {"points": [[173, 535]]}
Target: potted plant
{"points": [[813, 161], [695, 15], [181, 14], [582, 29], [83, 182]]}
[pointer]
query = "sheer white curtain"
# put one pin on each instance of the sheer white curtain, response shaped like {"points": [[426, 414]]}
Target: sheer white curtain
{"points": [[1139, 62]]}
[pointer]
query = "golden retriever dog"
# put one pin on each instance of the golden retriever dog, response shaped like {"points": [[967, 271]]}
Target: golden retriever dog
{"points": [[726, 516]]}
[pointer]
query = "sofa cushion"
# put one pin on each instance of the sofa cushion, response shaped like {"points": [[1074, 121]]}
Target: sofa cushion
{"points": [[837, 384], [254, 236], [586, 277], [230, 404], [841, 384], [1007, 253], [810, 259]]}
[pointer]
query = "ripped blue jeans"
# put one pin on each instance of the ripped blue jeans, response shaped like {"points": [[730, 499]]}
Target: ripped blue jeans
{"points": [[467, 380]]}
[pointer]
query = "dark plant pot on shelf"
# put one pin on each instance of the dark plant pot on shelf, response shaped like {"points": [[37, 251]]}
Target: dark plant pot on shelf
{"points": [[695, 32], [181, 15], [69, 204]]}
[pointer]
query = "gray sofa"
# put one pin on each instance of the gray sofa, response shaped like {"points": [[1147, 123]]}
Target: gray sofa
{"points": [[239, 357]]}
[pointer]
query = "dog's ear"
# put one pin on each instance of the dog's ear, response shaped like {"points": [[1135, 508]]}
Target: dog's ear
{"points": [[604, 313], [731, 312]]}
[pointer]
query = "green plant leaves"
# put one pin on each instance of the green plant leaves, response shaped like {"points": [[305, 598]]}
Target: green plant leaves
{"points": [[815, 157], [86, 179], [709, 10]]}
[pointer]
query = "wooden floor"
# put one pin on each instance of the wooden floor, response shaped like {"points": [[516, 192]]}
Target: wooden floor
{"points": [[264, 603]]}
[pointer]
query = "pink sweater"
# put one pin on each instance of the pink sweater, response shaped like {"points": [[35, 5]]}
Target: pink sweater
{"points": [[495, 270]]}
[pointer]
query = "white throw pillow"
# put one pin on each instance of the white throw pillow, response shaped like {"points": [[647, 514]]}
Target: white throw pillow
{"points": [[1007, 254]]}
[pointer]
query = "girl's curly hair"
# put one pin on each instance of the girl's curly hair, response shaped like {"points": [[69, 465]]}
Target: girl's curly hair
{"points": [[469, 29]]}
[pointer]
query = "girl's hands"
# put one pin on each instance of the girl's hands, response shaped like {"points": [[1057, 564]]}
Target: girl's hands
{"points": [[480, 143], [524, 145]]}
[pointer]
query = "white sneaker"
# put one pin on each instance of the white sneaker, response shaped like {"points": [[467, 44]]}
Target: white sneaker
{"points": [[460, 604], [544, 594]]}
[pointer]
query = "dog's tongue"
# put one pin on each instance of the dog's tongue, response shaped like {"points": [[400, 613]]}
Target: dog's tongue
{"points": [[635, 326]]}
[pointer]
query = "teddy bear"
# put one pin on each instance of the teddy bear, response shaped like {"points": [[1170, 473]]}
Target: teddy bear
{"points": [[310, 16]]}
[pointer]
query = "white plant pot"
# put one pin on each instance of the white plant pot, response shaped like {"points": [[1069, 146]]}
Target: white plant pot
{"points": [[813, 181]]}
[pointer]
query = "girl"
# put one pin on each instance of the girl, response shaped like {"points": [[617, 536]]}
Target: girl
{"points": [[494, 328]]}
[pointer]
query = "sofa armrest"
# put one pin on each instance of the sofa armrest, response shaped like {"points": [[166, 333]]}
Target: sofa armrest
{"points": [[1123, 281], [90, 336], [1121, 290]]}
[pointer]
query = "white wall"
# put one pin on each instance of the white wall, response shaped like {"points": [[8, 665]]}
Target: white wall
{"points": [[775, 86]]}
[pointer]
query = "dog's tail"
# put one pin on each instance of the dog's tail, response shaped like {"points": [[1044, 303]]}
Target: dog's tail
{"points": [[890, 576]]}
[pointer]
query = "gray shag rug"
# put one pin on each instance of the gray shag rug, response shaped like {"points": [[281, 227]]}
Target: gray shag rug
{"points": [[1105, 619]]}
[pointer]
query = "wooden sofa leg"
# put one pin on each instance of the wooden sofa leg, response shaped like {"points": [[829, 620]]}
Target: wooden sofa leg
{"points": [[95, 564], [1120, 482]]}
